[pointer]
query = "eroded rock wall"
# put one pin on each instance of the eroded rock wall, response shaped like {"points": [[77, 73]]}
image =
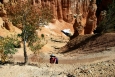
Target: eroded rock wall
{"points": [[91, 22], [81, 9], [81, 12], [60, 8], [4, 21], [85, 17]]}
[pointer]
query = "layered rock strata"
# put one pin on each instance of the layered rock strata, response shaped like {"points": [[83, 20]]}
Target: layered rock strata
{"points": [[82, 13]]}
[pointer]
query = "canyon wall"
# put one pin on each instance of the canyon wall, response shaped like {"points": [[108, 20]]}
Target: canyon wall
{"points": [[82, 13]]}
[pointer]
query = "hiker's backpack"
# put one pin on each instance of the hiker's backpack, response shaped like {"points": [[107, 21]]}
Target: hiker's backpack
{"points": [[56, 60]]}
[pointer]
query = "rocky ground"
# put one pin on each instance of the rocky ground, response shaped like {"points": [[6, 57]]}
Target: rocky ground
{"points": [[98, 69], [71, 64]]}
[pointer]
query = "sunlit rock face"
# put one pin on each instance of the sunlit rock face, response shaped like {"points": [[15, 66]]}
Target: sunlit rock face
{"points": [[60, 8], [85, 17], [81, 13], [91, 22]]}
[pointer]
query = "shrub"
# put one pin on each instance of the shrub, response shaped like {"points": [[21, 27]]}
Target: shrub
{"points": [[7, 46], [108, 23]]}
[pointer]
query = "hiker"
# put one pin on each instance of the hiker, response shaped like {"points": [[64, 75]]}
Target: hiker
{"points": [[53, 59]]}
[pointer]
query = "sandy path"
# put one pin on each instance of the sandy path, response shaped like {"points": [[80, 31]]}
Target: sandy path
{"points": [[87, 58], [85, 65], [79, 65], [68, 58], [75, 58]]}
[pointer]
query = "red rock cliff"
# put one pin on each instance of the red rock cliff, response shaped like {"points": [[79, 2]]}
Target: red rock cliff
{"points": [[81, 12]]}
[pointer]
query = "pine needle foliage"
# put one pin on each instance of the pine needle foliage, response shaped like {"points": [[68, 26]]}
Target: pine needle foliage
{"points": [[108, 23]]}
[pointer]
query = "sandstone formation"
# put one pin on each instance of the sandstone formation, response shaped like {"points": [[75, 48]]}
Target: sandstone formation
{"points": [[60, 8], [84, 11], [91, 21], [88, 16], [2, 11], [85, 18], [4, 22], [1, 23], [80, 15], [101, 16], [9, 26]]}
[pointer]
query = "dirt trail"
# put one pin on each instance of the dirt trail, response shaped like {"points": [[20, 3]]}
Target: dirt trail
{"points": [[87, 58], [101, 64], [53, 46]]}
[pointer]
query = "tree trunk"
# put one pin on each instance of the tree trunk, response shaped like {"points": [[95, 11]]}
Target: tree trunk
{"points": [[24, 40], [24, 46], [25, 53]]}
